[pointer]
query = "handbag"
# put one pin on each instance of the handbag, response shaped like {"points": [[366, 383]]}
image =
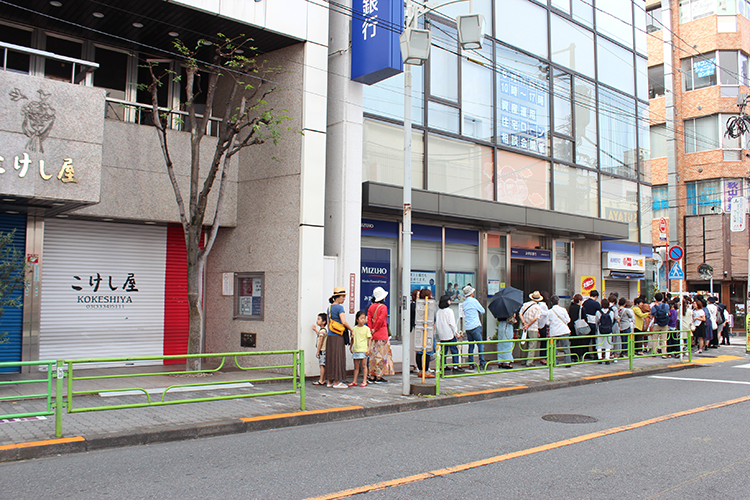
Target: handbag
{"points": [[581, 326], [334, 325]]}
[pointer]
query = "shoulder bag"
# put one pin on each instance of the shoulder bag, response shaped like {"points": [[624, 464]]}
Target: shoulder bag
{"points": [[335, 326], [581, 326]]}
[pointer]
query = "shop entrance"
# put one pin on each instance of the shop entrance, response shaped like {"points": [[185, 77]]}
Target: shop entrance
{"points": [[530, 275]]}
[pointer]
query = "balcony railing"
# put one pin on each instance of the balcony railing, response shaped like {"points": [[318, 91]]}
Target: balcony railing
{"points": [[136, 112], [79, 67]]}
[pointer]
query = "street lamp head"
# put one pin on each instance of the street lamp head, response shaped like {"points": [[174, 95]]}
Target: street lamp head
{"points": [[415, 46], [470, 31]]}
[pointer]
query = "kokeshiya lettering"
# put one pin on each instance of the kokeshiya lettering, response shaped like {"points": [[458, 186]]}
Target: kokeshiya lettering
{"points": [[104, 299]]}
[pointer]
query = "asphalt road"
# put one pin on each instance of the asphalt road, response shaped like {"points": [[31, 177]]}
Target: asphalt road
{"points": [[500, 448]]}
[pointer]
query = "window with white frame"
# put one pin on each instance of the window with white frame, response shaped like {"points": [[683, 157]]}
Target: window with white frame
{"points": [[653, 19], [725, 67], [660, 201], [702, 134]]}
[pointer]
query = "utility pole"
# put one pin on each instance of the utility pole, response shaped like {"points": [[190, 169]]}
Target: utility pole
{"points": [[670, 111]]}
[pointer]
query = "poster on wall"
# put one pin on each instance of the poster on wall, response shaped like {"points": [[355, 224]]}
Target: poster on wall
{"points": [[455, 282], [588, 283], [522, 180], [375, 272], [424, 279]]}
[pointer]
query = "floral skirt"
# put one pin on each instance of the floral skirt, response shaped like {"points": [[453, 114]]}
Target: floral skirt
{"points": [[381, 359]]}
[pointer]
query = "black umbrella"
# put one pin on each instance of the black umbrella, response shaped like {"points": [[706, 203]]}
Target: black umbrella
{"points": [[506, 302]]}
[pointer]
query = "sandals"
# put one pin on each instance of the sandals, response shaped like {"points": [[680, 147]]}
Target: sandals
{"points": [[341, 385], [318, 382], [363, 384]]}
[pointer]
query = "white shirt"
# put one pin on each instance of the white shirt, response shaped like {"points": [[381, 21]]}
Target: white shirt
{"points": [[713, 310], [558, 322], [544, 315], [445, 324]]}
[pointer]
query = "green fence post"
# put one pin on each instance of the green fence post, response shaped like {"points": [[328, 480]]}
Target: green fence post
{"points": [[302, 380], [439, 370], [551, 357], [58, 396], [631, 350], [689, 345]]}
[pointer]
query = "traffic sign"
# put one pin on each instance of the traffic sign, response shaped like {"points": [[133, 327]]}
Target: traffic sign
{"points": [[676, 253], [677, 273], [663, 225]]}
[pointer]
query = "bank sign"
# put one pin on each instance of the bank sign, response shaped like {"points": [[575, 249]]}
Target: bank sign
{"points": [[376, 52], [623, 262], [375, 272]]}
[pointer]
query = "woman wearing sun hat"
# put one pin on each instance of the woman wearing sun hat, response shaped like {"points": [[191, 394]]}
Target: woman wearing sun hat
{"points": [[335, 348], [381, 359]]}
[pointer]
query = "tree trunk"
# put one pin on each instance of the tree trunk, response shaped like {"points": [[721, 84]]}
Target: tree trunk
{"points": [[194, 283]]}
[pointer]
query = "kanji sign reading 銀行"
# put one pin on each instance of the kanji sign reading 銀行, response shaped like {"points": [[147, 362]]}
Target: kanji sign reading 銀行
{"points": [[376, 26]]}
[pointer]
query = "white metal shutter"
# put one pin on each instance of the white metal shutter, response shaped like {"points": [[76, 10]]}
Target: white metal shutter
{"points": [[114, 320], [620, 286]]}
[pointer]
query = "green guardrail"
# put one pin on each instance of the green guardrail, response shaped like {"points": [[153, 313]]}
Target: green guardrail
{"points": [[49, 410], [550, 353], [297, 379]]}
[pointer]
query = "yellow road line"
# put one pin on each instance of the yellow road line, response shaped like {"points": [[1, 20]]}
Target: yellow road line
{"points": [[594, 377], [299, 413], [45, 442], [717, 359], [523, 453], [491, 391]]}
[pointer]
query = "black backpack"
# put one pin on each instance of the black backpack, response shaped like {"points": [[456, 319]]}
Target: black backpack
{"points": [[605, 322], [720, 319], [662, 314]]}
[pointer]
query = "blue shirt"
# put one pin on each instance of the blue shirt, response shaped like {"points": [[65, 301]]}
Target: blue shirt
{"points": [[472, 310], [335, 310]]}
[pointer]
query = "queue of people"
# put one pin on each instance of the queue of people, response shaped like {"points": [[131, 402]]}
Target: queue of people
{"points": [[610, 320]]}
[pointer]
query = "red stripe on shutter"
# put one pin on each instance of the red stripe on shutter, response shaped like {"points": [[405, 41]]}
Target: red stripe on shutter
{"points": [[176, 317]]}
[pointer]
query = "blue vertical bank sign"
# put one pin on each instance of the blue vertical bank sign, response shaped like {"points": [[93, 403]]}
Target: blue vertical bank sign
{"points": [[375, 272], [376, 53]]}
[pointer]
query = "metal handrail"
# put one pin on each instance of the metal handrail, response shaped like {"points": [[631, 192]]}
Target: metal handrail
{"points": [[548, 343], [48, 55], [140, 107], [46, 395], [67, 366]]}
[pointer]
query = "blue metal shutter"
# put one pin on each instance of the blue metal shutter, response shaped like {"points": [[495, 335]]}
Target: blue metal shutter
{"points": [[12, 318]]}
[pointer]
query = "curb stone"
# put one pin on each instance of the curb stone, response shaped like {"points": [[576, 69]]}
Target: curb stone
{"points": [[228, 427]]}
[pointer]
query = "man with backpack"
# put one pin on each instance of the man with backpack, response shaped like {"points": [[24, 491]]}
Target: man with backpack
{"points": [[723, 319], [660, 313], [717, 321], [590, 307]]}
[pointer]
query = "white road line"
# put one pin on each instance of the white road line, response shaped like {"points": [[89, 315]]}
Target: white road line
{"points": [[742, 366], [702, 380]]}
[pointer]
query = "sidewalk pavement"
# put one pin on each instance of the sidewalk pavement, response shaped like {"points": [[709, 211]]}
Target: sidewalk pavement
{"points": [[35, 437]]}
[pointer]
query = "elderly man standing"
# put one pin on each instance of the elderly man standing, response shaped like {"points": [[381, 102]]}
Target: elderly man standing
{"points": [[530, 314], [473, 311]]}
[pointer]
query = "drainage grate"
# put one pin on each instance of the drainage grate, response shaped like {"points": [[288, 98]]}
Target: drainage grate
{"points": [[567, 418]]}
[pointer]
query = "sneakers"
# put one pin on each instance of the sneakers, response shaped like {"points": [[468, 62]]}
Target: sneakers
{"points": [[380, 381]]}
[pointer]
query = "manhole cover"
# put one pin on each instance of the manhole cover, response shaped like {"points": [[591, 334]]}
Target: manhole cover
{"points": [[566, 418]]}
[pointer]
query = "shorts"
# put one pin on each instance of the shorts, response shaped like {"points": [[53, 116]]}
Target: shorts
{"points": [[322, 359], [359, 355]]}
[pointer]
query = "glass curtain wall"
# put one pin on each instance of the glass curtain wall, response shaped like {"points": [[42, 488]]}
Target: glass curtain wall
{"points": [[524, 120]]}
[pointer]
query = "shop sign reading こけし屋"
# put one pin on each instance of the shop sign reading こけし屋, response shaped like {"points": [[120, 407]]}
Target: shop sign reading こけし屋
{"points": [[99, 292], [51, 139]]}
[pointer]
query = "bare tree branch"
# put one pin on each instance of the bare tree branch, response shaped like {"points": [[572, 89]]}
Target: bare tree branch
{"points": [[162, 134]]}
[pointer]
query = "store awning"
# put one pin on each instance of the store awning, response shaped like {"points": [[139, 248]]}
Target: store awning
{"points": [[626, 276]]}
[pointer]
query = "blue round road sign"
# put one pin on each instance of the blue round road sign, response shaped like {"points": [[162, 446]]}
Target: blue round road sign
{"points": [[676, 253]]}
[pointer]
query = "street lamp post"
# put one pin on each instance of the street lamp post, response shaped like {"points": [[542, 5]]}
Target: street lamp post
{"points": [[415, 50]]}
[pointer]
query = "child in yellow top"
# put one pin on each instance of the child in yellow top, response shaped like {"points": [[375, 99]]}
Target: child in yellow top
{"points": [[360, 347]]}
